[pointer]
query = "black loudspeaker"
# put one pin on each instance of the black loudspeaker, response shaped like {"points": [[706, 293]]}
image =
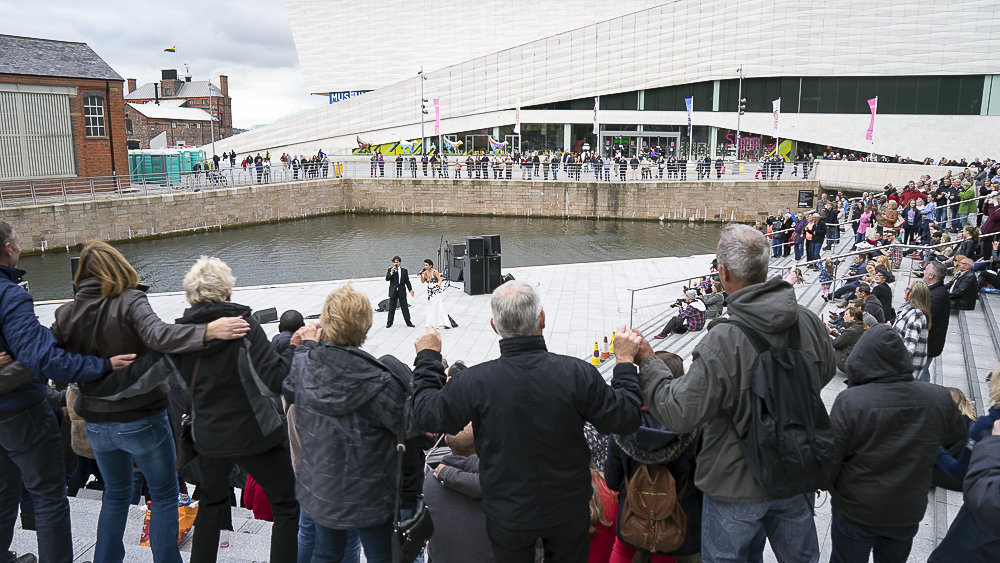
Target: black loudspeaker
{"points": [[493, 277], [475, 275], [475, 247], [456, 261], [492, 245], [265, 315]]}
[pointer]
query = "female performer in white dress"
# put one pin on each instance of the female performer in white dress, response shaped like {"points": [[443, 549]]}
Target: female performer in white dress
{"points": [[436, 315]]}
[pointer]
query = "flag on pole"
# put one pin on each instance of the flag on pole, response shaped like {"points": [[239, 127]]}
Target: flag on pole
{"points": [[171, 49], [872, 104], [689, 102], [776, 111], [517, 117], [597, 108], [437, 116]]}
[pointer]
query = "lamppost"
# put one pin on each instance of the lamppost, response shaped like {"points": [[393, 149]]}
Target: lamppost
{"points": [[741, 106], [423, 112], [211, 119]]}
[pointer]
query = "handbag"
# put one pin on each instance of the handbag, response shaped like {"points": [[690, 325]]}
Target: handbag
{"points": [[411, 535], [185, 443]]}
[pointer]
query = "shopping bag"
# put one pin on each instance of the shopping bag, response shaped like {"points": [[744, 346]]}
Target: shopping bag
{"points": [[186, 515]]}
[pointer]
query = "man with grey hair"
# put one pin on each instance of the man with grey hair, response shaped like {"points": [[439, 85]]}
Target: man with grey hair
{"points": [[715, 395], [934, 274], [527, 409]]}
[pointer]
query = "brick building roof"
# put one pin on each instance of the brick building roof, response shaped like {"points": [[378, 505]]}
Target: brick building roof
{"points": [[198, 89], [46, 57], [153, 111]]}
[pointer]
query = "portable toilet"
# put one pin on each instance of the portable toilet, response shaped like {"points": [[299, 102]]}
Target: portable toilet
{"points": [[172, 167]]}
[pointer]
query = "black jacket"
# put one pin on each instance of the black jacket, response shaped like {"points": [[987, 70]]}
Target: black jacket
{"points": [[982, 483], [282, 342], [349, 410], [873, 306], [940, 315], [884, 295], [887, 429], [963, 290], [235, 413], [655, 445], [527, 409], [397, 282]]}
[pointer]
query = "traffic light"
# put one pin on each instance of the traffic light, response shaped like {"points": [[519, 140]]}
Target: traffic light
{"points": [[743, 105]]}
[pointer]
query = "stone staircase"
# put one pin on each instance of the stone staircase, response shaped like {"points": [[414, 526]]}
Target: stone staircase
{"points": [[249, 541]]}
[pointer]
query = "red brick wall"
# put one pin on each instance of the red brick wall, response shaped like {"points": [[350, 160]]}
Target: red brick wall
{"points": [[93, 156]]}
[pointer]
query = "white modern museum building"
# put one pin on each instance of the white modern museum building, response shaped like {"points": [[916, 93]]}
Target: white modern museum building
{"points": [[934, 67]]}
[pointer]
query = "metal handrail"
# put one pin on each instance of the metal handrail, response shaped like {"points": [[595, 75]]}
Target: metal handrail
{"points": [[631, 308], [878, 248]]}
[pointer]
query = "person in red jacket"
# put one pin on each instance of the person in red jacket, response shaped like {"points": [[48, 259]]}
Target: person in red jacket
{"points": [[255, 500]]}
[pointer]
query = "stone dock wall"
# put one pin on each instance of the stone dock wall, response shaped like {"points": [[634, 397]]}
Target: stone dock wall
{"points": [[55, 226]]}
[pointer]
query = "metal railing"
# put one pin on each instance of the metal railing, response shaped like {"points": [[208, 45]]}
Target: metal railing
{"points": [[631, 308]]}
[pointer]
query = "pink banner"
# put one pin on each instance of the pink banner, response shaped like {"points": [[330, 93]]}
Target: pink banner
{"points": [[437, 116], [872, 103]]}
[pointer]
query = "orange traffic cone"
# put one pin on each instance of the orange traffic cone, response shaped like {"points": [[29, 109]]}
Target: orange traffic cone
{"points": [[596, 360], [611, 348], [604, 349]]}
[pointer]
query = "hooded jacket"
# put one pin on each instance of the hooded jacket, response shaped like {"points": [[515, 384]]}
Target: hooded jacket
{"points": [[349, 410], [887, 430], [846, 340], [715, 393], [714, 303]]}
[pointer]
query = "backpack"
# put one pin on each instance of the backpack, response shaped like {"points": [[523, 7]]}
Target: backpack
{"points": [[789, 447], [652, 518]]}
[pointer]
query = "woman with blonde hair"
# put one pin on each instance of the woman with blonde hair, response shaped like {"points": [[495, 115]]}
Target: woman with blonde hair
{"points": [[110, 316], [913, 321], [235, 416], [891, 216], [349, 411]]}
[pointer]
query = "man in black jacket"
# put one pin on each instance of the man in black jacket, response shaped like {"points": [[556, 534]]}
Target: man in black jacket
{"points": [[934, 273], [887, 431], [883, 292], [527, 409], [399, 282], [963, 288], [872, 304]]}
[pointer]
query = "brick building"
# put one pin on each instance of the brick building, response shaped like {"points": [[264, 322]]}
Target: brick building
{"points": [[198, 94], [61, 111], [183, 125]]}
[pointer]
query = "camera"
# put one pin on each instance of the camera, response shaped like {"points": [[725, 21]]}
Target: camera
{"points": [[679, 303]]}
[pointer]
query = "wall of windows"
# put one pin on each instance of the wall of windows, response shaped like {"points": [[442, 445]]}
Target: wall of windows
{"points": [[911, 95]]}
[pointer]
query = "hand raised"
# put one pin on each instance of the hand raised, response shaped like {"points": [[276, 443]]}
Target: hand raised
{"points": [[310, 331], [627, 344], [430, 340]]}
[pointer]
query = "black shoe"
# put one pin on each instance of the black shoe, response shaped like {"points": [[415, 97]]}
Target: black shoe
{"points": [[26, 558], [388, 325], [411, 325]]}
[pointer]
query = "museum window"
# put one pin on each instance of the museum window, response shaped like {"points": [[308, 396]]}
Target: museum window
{"points": [[93, 113]]}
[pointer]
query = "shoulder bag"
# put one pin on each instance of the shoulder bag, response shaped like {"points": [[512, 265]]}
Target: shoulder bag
{"points": [[185, 442], [411, 535]]}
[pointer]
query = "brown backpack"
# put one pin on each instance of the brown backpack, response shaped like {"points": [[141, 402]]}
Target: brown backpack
{"points": [[652, 518]]}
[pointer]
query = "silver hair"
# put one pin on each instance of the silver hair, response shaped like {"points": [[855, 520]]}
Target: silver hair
{"points": [[210, 280], [516, 307], [745, 253], [939, 270], [6, 234]]}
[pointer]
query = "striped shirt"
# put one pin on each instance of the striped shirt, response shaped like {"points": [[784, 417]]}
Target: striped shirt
{"points": [[911, 326]]}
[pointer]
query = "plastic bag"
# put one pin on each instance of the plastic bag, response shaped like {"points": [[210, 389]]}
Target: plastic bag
{"points": [[186, 515]]}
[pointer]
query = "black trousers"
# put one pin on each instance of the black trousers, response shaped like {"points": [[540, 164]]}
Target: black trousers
{"points": [[674, 325], [273, 471], [565, 543], [401, 299]]}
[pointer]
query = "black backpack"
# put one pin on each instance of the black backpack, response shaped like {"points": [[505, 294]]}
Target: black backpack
{"points": [[790, 445]]}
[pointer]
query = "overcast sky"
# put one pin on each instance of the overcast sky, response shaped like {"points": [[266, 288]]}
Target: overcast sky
{"points": [[249, 41]]}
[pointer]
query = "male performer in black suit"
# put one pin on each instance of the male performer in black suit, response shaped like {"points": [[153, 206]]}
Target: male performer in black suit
{"points": [[399, 280]]}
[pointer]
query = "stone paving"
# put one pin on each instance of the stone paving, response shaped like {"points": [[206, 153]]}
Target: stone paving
{"points": [[583, 303]]}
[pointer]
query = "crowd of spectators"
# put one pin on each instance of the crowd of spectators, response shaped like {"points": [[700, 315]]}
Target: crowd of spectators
{"points": [[529, 456]]}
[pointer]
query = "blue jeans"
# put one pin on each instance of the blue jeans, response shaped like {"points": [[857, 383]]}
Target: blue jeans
{"points": [[853, 542], [815, 248], [798, 249], [307, 542], [832, 236], [332, 545], [730, 531], [956, 219], [925, 375], [31, 450], [148, 443], [940, 214]]}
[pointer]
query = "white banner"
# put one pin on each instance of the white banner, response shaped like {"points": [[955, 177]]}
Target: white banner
{"points": [[517, 117], [776, 110], [597, 109]]}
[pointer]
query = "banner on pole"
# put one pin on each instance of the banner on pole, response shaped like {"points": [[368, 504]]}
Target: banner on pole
{"points": [[776, 111], [597, 108], [517, 117], [689, 102], [872, 104], [437, 116]]}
